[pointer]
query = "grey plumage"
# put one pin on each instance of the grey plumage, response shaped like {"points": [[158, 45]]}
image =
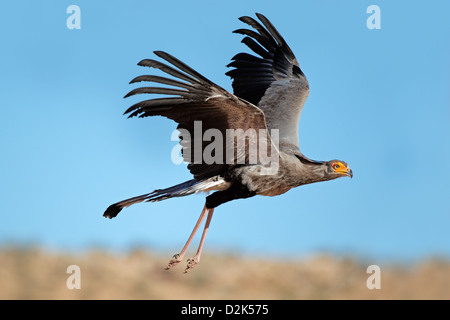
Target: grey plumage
{"points": [[270, 90], [269, 93]]}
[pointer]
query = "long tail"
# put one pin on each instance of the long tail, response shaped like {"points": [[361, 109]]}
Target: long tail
{"points": [[180, 190]]}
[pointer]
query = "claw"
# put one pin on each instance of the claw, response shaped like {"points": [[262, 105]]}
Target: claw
{"points": [[191, 263], [176, 259]]}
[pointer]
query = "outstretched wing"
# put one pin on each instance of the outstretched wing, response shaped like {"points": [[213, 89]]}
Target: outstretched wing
{"points": [[197, 105], [273, 81]]}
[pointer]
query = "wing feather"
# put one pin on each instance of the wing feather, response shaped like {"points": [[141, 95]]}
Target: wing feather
{"points": [[272, 80], [193, 99]]}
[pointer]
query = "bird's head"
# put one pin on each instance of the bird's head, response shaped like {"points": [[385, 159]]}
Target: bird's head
{"points": [[337, 169]]}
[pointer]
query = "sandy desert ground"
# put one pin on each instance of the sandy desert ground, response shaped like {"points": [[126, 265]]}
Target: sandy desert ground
{"points": [[39, 274]]}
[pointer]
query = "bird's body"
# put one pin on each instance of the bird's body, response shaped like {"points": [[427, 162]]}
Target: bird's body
{"points": [[291, 174], [255, 147]]}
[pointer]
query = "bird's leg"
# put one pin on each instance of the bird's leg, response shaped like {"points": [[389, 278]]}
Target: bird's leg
{"points": [[196, 259], [179, 256]]}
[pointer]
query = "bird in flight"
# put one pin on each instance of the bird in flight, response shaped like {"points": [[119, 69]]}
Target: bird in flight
{"points": [[269, 91]]}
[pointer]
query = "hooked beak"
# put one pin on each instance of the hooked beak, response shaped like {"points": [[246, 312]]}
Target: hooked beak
{"points": [[345, 171], [349, 173]]}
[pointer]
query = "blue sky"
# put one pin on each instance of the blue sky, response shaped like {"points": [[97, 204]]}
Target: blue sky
{"points": [[379, 100]]}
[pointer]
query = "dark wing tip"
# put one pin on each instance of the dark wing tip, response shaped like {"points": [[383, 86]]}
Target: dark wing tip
{"points": [[142, 62], [243, 18], [260, 16], [161, 53], [127, 95], [112, 211]]}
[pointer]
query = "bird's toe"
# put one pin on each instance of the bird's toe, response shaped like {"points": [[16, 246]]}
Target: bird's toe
{"points": [[176, 259], [191, 263]]}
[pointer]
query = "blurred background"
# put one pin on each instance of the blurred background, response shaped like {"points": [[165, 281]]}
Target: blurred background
{"points": [[379, 100]]}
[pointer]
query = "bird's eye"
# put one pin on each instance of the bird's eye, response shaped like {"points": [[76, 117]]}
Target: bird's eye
{"points": [[336, 166]]}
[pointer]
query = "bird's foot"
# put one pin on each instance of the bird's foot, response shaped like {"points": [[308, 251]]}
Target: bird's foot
{"points": [[191, 263], [176, 259]]}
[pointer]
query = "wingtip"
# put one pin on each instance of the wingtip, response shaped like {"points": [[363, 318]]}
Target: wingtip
{"points": [[133, 107], [161, 54], [127, 112], [260, 15], [134, 80], [244, 18], [143, 62]]}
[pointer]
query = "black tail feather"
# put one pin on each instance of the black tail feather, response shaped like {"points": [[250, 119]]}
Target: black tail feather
{"points": [[180, 190], [112, 211]]}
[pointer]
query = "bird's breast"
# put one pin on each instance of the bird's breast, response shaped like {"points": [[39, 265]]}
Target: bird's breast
{"points": [[259, 179], [290, 173]]}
